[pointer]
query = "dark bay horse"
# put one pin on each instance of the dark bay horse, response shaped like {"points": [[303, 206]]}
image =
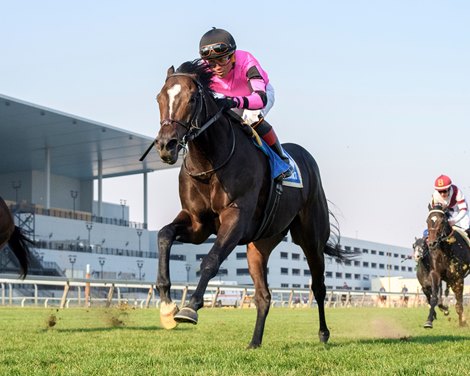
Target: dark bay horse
{"points": [[423, 273], [12, 235], [449, 256], [224, 185]]}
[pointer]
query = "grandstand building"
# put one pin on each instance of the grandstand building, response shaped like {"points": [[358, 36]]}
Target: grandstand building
{"points": [[52, 170]]}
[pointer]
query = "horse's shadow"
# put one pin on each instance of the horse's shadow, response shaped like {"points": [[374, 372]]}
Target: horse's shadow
{"points": [[111, 328]]}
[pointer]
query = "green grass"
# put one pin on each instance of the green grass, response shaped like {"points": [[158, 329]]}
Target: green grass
{"points": [[98, 341]]}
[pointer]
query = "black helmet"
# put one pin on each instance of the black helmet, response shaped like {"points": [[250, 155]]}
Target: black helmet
{"points": [[216, 43]]}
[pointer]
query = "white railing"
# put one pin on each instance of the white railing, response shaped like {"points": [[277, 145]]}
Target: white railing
{"points": [[96, 292]]}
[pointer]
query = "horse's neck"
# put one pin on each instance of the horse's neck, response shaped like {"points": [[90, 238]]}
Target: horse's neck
{"points": [[211, 146]]}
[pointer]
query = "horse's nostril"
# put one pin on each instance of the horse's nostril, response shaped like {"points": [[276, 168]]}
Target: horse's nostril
{"points": [[170, 145]]}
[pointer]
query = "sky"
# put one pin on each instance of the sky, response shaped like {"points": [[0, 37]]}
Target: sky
{"points": [[377, 91]]}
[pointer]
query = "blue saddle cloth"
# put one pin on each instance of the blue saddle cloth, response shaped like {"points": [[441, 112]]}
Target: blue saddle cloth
{"points": [[278, 166]]}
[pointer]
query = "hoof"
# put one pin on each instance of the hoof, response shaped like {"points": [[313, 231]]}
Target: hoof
{"points": [[167, 313], [427, 325], [186, 315], [324, 336]]}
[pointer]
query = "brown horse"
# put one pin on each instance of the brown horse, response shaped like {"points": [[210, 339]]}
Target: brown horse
{"points": [[12, 235], [449, 261], [224, 185]]}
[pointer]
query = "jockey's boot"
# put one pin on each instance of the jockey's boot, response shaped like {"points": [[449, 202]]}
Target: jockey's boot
{"points": [[266, 132]]}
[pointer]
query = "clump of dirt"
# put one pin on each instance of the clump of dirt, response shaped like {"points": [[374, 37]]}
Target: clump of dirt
{"points": [[51, 321], [116, 318]]}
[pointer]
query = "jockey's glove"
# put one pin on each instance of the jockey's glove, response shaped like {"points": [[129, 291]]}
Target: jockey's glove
{"points": [[228, 102]]}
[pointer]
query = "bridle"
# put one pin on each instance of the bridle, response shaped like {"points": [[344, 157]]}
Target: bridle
{"points": [[442, 236], [192, 127]]}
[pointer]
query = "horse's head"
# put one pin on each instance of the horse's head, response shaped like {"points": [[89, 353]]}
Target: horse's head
{"points": [[438, 226], [182, 103], [419, 247]]}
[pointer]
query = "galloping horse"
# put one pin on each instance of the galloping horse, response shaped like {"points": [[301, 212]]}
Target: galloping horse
{"points": [[12, 235], [224, 186], [449, 261], [423, 270]]}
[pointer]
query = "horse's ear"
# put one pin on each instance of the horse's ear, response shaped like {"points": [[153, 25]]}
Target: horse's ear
{"points": [[170, 71]]}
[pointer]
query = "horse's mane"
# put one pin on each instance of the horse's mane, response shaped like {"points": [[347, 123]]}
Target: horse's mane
{"points": [[203, 74]]}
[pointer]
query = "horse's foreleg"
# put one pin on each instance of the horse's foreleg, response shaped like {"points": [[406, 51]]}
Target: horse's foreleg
{"points": [[435, 287], [257, 255], [228, 237], [166, 237]]}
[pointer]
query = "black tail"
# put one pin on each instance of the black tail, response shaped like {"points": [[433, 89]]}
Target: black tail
{"points": [[19, 244], [333, 247]]}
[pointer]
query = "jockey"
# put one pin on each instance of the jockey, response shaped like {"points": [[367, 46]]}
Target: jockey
{"points": [[451, 198], [244, 85]]}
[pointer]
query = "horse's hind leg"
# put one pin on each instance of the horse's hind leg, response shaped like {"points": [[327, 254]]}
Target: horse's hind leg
{"points": [[257, 255], [313, 245], [457, 288]]}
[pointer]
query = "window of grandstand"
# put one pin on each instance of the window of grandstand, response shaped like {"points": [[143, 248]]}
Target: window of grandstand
{"points": [[284, 255], [373, 252], [284, 271], [381, 266], [339, 275], [357, 263], [307, 272], [365, 264], [357, 276], [296, 256], [284, 285], [199, 257], [329, 274], [243, 271], [373, 265], [241, 255], [296, 285], [295, 271], [381, 253]]}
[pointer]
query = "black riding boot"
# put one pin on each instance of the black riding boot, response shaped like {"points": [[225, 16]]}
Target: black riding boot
{"points": [[266, 132]]}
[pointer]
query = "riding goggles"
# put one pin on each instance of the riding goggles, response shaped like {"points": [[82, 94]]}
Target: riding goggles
{"points": [[216, 49]]}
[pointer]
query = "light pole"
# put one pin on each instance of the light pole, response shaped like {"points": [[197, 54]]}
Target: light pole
{"points": [[140, 264], [123, 205], [188, 268], [16, 186], [72, 259], [89, 226], [139, 234], [102, 260], [74, 195]]}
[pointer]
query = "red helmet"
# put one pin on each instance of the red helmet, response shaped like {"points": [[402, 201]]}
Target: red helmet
{"points": [[442, 182]]}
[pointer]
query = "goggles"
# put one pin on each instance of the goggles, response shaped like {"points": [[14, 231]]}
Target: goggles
{"points": [[445, 191], [215, 49]]}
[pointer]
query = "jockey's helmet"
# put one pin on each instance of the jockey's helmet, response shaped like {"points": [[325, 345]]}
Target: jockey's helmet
{"points": [[216, 43], [442, 182]]}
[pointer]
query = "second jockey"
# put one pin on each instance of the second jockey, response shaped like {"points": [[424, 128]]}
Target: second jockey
{"points": [[451, 198]]}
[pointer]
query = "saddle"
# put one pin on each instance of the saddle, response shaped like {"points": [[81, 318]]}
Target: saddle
{"points": [[463, 234]]}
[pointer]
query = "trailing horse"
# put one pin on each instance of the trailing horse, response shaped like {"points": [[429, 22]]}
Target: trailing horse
{"points": [[449, 261], [12, 235], [224, 188]]}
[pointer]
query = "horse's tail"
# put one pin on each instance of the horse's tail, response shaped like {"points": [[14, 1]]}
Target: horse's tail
{"points": [[333, 246], [19, 244]]}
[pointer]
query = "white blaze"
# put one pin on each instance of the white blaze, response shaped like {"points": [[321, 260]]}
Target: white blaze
{"points": [[172, 93]]}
